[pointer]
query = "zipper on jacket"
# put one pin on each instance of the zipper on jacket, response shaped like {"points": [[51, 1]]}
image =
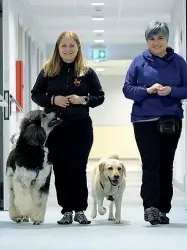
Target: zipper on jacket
{"points": [[66, 84], [67, 78]]}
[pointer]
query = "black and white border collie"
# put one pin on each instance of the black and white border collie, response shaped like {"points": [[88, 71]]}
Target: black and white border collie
{"points": [[29, 169]]}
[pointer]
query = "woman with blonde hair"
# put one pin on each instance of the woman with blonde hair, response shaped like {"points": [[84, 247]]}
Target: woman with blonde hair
{"points": [[69, 87]]}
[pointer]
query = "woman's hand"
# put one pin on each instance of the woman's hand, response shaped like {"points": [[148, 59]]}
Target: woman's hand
{"points": [[154, 88], [163, 91], [75, 99], [61, 101], [159, 89]]}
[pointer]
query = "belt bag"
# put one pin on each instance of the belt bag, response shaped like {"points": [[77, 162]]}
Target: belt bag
{"points": [[168, 125]]}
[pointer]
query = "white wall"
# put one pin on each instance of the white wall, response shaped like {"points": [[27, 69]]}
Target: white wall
{"points": [[12, 62], [113, 131], [116, 109], [14, 10], [19, 14], [178, 38], [19, 9]]}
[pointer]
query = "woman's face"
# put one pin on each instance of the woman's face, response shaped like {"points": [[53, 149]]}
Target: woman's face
{"points": [[157, 45], [68, 49]]}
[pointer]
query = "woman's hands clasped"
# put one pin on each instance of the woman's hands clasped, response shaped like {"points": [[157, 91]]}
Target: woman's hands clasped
{"points": [[64, 101], [159, 89]]}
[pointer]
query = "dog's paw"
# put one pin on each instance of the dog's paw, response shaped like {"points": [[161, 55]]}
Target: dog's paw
{"points": [[111, 217], [117, 220], [25, 218], [37, 222], [94, 214], [102, 210], [17, 219], [37, 217]]}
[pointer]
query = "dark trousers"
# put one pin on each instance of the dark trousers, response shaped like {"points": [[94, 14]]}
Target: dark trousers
{"points": [[69, 147], [157, 154]]}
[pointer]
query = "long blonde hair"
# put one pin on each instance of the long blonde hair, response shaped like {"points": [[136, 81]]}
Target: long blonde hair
{"points": [[53, 66]]}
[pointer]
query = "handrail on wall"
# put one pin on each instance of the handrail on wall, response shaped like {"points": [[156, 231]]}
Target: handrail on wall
{"points": [[3, 103], [13, 100]]}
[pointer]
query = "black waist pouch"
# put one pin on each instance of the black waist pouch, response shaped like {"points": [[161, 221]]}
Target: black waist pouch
{"points": [[169, 125]]}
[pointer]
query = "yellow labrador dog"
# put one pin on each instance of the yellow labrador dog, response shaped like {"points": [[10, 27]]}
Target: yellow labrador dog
{"points": [[108, 182]]}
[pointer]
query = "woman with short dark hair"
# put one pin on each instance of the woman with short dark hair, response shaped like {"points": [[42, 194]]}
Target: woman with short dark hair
{"points": [[157, 82]]}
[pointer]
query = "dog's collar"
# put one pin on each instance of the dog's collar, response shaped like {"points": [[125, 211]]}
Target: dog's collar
{"points": [[110, 197], [37, 174]]}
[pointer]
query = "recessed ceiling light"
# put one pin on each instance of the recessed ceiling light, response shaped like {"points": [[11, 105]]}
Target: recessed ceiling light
{"points": [[97, 4], [98, 41], [100, 69], [98, 31], [97, 18]]}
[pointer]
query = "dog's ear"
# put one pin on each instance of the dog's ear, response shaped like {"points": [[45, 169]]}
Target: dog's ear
{"points": [[124, 170], [101, 167], [34, 135]]}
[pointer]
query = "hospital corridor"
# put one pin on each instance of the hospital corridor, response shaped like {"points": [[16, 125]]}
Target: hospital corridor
{"points": [[93, 107]]}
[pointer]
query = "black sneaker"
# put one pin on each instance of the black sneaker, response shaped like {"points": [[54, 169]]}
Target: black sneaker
{"points": [[163, 218], [152, 215], [80, 217], [66, 219]]}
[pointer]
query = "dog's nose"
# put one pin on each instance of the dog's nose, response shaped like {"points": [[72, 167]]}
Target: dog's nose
{"points": [[116, 176]]}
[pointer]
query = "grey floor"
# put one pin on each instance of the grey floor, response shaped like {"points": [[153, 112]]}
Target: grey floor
{"points": [[132, 234]]}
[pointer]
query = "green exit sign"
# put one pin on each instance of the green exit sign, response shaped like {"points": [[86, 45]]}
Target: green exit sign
{"points": [[98, 54]]}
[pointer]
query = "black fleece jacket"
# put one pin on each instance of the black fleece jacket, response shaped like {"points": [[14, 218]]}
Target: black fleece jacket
{"points": [[67, 83]]}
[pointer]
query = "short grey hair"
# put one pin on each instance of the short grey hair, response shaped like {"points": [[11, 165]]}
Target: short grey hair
{"points": [[157, 28]]}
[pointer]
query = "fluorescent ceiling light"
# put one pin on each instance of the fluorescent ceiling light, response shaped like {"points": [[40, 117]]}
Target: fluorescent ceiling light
{"points": [[97, 18], [98, 31], [99, 69], [98, 41], [97, 4]]}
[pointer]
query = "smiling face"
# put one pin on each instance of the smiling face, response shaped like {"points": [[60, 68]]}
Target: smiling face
{"points": [[157, 45], [68, 49], [112, 170]]}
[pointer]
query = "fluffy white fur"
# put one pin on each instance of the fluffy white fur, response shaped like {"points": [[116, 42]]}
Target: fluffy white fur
{"points": [[29, 190], [26, 201]]}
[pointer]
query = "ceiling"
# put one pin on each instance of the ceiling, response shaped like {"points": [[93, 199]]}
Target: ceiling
{"points": [[124, 20], [124, 24]]}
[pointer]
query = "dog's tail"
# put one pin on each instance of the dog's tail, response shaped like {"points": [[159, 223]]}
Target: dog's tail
{"points": [[114, 157]]}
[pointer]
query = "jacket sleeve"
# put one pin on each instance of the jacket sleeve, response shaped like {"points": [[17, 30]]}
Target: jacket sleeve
{"points": [[39, 93], [130, 88], [181, 91], [96, 95]]}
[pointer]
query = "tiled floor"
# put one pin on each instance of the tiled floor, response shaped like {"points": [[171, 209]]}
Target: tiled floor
{"points": [[133, 234]]}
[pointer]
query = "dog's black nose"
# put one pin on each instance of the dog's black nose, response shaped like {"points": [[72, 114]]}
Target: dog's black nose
{"points": [[116, 176]]}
